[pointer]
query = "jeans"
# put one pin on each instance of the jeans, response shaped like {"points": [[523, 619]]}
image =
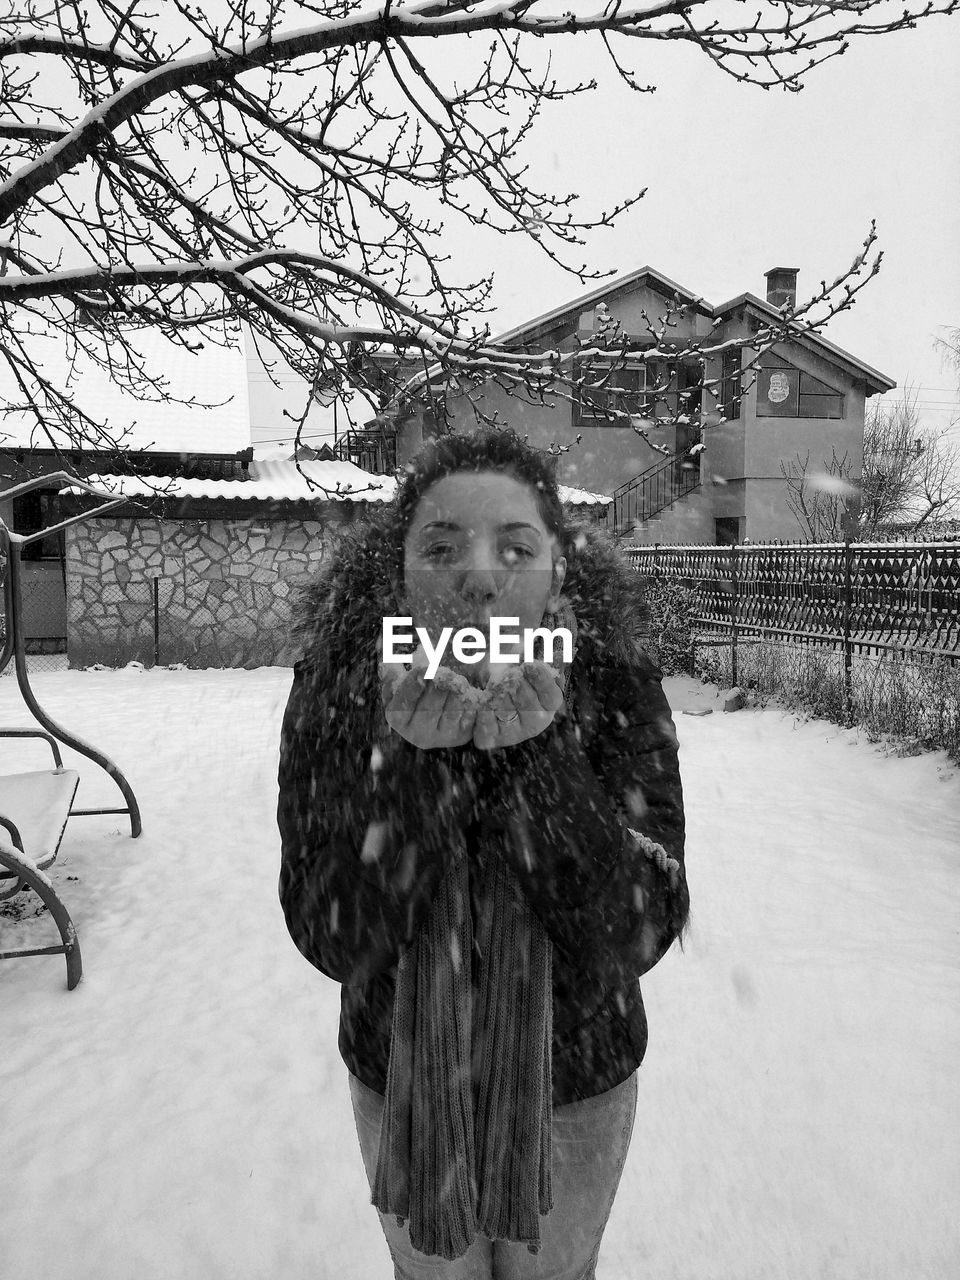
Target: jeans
{"points": [[590, 1143]]}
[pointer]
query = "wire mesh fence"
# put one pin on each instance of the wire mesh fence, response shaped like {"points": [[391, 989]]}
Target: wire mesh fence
{"points": [[913, 704], [185, 619], [43, 599]]}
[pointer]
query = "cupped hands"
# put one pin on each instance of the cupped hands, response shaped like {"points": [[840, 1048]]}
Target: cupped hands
{"points": [[448, 711]]}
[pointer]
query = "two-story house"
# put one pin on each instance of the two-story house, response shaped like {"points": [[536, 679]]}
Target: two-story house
{"points": [[690, 450]]}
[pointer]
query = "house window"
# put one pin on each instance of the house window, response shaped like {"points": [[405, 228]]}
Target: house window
{"points": [[33, 512], [689, 378], [607, 392], [731, 381], [783, 391]]}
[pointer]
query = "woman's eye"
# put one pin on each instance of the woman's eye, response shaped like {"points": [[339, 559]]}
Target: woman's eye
{"points": [[439, 550], [516, 552]]}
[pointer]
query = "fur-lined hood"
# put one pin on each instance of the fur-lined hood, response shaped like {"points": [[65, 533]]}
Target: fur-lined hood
{"points": [[340, 613]]}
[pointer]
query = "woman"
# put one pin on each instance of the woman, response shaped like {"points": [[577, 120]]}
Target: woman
{"points": [[486, 867]]}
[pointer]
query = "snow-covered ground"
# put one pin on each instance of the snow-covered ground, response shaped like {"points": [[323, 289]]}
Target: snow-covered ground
{"points": [[184, 1113]]}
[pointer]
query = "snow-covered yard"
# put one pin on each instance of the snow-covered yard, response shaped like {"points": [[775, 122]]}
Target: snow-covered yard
{"points": [[184, 1114]]}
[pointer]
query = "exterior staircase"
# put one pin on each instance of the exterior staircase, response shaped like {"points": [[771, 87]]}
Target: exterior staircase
{"points": [[651, 493]]}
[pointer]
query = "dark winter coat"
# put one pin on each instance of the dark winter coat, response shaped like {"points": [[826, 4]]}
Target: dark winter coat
{"points": [[369, 822]]}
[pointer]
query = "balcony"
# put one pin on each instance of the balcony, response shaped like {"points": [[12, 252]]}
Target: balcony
{"points": [[373, 448]]}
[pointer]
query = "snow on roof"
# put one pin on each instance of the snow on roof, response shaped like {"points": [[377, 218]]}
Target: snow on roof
{"points": [[272, 452], [281, 481], [663, 284], [284, 480], [616, 284], [879, 381], [571, 497], [215, 376], [269, 481]]}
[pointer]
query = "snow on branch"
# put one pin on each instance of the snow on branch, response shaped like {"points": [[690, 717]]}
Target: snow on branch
{"points": [[291, 167]]}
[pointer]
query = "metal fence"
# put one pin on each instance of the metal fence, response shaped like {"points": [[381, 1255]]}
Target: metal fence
{"points": [[44, 615], [871, 598]]}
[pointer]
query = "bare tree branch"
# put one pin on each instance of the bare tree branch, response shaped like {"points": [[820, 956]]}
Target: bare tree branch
{"points": [[821, 497], [910, 472], [892, 445], [939, 478], [291, 167]]}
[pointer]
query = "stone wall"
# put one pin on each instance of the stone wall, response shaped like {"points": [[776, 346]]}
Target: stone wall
{"points": [[225, 589]]}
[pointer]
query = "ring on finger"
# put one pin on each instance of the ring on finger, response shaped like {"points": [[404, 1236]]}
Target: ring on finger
{"points": [[509, 719]]}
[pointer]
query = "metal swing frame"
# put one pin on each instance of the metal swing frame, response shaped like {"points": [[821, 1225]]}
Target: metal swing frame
{"points": [[20, 867]]}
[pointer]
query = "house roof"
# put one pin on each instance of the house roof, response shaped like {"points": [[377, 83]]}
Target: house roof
{"points": [[281, 481], [876, 381], [531, 329], [215, 378], [571, 497], [620, 284], [267, 481]]}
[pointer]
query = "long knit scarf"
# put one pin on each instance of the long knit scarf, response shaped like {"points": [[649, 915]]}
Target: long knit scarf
{"points": [[465, 1141]]}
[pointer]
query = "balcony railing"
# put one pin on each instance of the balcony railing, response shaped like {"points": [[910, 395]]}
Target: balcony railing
{"points": [[373, 449]]}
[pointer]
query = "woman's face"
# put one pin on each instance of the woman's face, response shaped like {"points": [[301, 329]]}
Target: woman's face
{"points": [[478, 548]]}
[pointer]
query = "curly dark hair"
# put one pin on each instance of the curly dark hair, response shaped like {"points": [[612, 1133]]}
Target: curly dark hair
{"points": [[374, 545], [488, 449]]}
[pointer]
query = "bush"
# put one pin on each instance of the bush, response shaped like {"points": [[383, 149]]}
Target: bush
{"points": [[672, 608]]}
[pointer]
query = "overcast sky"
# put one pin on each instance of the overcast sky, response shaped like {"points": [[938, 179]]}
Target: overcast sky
{"points": [[740, 180]]}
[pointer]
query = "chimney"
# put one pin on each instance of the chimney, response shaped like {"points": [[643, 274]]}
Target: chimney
{"points": [[782, 286]]}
